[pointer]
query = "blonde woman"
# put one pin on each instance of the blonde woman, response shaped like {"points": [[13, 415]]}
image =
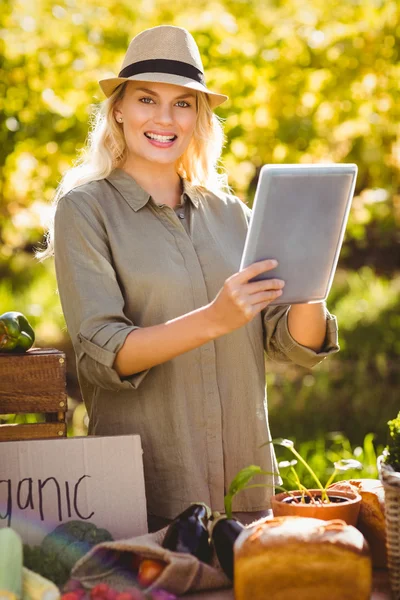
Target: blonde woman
{"points": [[169, 337]]}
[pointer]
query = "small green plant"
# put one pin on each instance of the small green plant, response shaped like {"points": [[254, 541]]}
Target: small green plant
{"points": [[241, 482], [244, 477], [341, 466], [392, 451]]}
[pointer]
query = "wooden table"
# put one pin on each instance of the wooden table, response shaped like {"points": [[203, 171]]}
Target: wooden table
{"points": [[381, 590]]}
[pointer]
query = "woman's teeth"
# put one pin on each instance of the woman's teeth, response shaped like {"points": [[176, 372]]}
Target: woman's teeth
{"points": [[160, 138]]}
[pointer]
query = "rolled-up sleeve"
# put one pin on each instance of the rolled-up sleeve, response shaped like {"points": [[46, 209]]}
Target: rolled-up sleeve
{"points": [[90, 295], [281, 347]]}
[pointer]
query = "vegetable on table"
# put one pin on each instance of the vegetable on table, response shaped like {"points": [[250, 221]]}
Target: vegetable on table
{"points": [[16, 334], [188, 532], [36, 587], [62, 548], [47, 565], [144, 570], [224, 533], [10, 564]]}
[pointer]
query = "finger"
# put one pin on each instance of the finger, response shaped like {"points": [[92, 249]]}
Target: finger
{"points": [[261, 305], [262, 286], [255, 269], [264, 297]]}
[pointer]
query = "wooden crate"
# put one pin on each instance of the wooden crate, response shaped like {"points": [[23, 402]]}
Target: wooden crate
{"points": [[34, 382]]}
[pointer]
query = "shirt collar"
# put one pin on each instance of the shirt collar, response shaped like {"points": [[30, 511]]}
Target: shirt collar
{"points": [[137, 197]]}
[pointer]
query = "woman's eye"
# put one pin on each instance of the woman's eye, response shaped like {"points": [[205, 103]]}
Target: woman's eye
{"points": [[147, 100]]}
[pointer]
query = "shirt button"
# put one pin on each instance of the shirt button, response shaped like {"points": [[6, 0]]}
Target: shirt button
{"points": [[181, 215]]}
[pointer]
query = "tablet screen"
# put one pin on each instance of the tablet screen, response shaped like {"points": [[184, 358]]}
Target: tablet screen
{"points": [[299, 217]]}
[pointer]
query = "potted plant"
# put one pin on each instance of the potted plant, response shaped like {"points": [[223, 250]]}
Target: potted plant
{"points": [[318, 503], [389, 472]]}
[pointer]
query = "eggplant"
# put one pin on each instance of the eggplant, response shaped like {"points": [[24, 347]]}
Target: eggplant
{"points": [[188, 532], [224, 533]]}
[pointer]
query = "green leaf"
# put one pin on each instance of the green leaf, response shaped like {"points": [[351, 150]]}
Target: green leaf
{"points": [[240, 483], [243, 477]]}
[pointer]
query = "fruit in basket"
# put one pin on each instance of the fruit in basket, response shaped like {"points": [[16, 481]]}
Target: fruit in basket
{"points": [[188, 532], [10, 564], [16, 334]]}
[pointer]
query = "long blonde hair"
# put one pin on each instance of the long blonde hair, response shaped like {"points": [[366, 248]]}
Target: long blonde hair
{"points": [[106, 149]]}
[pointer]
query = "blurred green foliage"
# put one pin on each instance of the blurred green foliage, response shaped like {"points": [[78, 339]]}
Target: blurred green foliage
{"points": [[308, 81], [357, 390]]}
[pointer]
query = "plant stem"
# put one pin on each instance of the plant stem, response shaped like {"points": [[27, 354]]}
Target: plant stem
{"points": [[296, 477], [309, 469], [228, 506], [331, 478]]}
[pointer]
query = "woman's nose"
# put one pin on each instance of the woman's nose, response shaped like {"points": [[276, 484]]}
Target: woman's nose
{"points": [[163, 114]]}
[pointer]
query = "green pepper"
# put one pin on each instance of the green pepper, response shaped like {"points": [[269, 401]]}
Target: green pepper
{"points": [[16, 335]]}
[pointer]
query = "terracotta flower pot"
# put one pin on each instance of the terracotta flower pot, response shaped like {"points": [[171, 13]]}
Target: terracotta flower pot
{"points": [[346, 507]]}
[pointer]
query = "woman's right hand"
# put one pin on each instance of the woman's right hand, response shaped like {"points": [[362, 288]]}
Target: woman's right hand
{"points": [[239, 301]]}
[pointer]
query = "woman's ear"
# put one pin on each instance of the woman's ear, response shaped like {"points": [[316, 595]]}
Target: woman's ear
{"points": [[117, 112], [118, 115]]}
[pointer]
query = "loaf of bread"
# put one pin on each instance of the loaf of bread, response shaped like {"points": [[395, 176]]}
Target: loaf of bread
{"points": [[371, 518], [302, 558]]}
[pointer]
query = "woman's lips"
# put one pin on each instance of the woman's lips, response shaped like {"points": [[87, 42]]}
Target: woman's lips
{"points": [[159, 144]]}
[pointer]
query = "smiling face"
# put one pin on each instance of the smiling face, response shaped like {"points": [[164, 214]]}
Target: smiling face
{"points": [[158, 121]]}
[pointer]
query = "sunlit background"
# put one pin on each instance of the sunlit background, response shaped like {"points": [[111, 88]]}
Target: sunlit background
{"points": [[308, 81]]}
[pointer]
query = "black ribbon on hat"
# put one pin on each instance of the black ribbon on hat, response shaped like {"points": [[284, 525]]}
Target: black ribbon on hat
{"points": [[161, 65]]}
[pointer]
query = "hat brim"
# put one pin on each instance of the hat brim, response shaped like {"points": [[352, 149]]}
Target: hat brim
{"points": [[109, 85]]}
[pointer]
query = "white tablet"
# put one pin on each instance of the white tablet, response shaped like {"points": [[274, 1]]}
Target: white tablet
{"points": [[299, 218]]}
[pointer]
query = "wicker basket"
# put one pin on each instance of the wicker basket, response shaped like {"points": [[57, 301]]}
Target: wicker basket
{"points": [[391, 483]]}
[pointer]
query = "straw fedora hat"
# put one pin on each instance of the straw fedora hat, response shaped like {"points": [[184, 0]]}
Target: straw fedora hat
{"points": [[163, 54]]}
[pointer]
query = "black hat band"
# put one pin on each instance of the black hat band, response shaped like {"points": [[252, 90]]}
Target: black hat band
{"points": [[160, 65]]}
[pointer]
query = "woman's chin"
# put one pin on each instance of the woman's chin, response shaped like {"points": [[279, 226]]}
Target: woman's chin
{"points": [[162, 157]]}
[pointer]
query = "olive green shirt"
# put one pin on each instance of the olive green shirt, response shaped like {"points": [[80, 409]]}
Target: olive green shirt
{"points": [[122, 262]]}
